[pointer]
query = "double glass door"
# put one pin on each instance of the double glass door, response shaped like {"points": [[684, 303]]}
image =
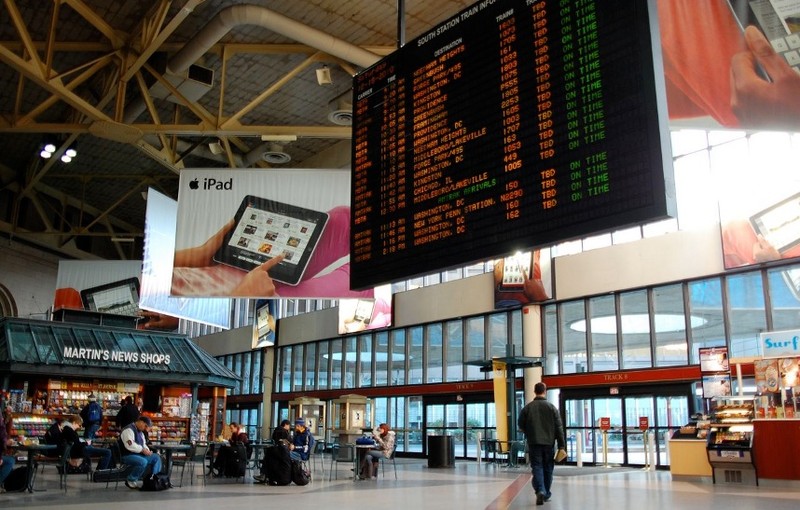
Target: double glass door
{"points": [[624, 443], [464, 421]]}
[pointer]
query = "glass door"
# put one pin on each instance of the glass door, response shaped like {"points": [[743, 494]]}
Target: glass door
{"points": [[464, 421], [666, 409], [636, 408], [610, 408]]}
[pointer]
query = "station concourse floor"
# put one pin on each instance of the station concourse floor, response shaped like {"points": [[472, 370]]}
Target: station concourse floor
{"points": [[468, 485]]}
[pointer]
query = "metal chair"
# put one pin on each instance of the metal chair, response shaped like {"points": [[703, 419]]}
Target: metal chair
{"points": [[384, 460], [196, 455], [339, 454], [61, 462], [318, 456]]}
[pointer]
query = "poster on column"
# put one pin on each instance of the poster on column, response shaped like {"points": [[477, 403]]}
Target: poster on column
{"points": [[263, 234]]}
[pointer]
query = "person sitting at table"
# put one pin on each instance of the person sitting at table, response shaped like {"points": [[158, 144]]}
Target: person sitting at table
{"points": [[282, 431], [135, 452], [303, 441], [81, 452], [227, 461], [6, 461], [384, 446]]}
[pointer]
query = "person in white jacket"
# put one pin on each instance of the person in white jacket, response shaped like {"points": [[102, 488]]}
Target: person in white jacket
{"points": [[135, 452]]}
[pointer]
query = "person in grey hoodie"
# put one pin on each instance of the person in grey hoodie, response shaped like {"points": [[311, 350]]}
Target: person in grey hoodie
{"points": [[541, 423]]}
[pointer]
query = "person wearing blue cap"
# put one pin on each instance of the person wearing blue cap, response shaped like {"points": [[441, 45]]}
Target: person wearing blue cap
{"points": [[302, 441], [133, 445]]}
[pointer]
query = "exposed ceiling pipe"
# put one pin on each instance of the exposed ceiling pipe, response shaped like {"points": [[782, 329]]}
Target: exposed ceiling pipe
{"points": [[237, 15]]}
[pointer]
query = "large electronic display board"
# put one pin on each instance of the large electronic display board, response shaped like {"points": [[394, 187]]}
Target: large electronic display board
{"points": [[512, 125]]}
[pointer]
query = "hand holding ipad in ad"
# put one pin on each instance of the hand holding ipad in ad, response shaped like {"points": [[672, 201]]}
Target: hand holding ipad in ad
{"points": [[264, 229], [779, 224], [516, 269]]}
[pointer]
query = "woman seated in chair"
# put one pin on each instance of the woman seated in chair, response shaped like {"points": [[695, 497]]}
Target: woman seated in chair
{"points": [[384, 446]]}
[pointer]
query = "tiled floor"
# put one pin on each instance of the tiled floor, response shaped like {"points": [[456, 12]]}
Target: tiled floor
{"points": [[467, 486]]}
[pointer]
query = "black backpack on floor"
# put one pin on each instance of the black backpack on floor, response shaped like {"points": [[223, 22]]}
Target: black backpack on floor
{"points": [[299, 474], [17, 479], [157, 482]]}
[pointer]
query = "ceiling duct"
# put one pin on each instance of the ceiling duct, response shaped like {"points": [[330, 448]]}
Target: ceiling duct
{"points": [[340, 109], [275, 155], [237, 15], [181, 64]]}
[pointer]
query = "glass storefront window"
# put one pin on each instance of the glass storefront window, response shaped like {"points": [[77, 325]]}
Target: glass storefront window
{"points": [[297, 367], [310, 375], [283, 377], [706, 317], [550, 319], [415, 355], [454, 350], [435, 353], [784, 297], [365, 361], [323, 365], [603, 341], [635, 321], [399, 357], [746, 313], [670, 326], [573, 329], [349, 366], [498, 335], [381, 358], [337, 362], [476, 346]]}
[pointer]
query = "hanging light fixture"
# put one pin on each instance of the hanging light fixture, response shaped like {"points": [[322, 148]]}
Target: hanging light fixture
{"points": [[47, 149], [69, 154]]}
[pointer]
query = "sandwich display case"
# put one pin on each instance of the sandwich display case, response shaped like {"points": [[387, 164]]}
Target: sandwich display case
{"points": [[730, 441]]}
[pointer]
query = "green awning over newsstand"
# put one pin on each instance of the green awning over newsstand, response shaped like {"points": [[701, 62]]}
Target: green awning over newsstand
{"points": [[62, 349]]}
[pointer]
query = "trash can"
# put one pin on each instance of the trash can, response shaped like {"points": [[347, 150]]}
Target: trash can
{"points": [[441, 452]]}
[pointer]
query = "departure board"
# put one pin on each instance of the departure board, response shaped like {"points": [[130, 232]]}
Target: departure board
{"points": [[513, 125]]}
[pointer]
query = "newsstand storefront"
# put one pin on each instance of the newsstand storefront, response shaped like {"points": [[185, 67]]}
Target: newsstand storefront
{"points": [[50, 369]]}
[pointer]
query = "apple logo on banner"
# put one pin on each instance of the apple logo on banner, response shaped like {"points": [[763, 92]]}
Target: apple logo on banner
{"points": [[210, 183]]}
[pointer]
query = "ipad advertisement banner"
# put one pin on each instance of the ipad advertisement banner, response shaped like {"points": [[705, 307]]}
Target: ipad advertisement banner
{"points": [[734, 62], [107, 286], [263, 233]]}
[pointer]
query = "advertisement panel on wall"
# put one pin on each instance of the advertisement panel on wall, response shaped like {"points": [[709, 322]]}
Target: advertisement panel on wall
{"points": [[263, 233], [366, 313], [523, 278]]}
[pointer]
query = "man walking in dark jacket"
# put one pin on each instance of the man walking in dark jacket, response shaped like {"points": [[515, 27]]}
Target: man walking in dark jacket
{"points": [[541, 422]]}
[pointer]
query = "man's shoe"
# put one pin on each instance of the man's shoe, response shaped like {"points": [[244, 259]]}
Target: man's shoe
{"points": [[260, 478], [539, 499], [131, 485]]}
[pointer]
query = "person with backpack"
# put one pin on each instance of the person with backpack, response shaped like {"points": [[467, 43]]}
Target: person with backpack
{"points": [[92, 415], [302, 442], [6, 461]]}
